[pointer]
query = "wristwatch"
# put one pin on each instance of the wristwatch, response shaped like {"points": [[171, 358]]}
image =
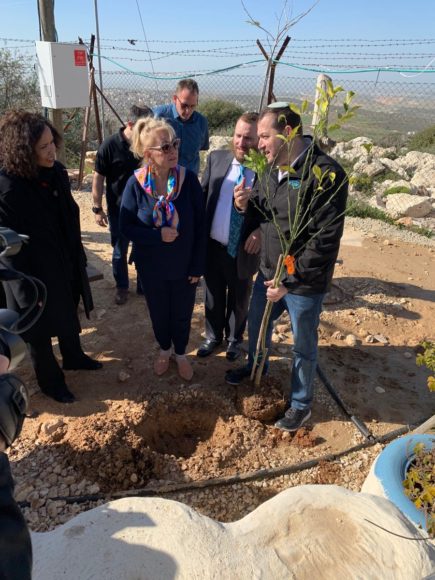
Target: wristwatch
{"points": [[97, 209]]}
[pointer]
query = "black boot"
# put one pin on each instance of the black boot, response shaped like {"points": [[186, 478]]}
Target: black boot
{"points": [[59, 393], [84, 363]]}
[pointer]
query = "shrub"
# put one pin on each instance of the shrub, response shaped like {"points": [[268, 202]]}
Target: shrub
{"points": [[397, 189], [221, 115], [18, 83], [396, 140], [424, 140], [362, 182], [356, 208]]}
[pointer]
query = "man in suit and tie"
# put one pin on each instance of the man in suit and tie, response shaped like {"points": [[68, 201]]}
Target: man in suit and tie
{"points": [[233, 243]]}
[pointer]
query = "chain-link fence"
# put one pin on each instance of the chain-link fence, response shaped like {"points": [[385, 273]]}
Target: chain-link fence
{"points": [[385, 107]]}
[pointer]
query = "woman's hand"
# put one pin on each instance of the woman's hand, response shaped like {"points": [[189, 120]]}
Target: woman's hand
{"points": [[169, 234], [194, 279]]}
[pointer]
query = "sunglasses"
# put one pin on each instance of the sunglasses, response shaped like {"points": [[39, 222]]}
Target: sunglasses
{"points": [[166, 147], [185, 106]]}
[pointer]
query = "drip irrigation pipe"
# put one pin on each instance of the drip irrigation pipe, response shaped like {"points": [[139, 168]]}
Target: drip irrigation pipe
{"points": [[152, 491], [360, 425]]}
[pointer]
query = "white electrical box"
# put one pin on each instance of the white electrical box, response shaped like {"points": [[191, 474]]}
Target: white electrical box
{"points": [[63, 75]]}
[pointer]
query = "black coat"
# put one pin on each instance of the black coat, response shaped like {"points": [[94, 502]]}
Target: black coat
{"points": [[316, 248], [218, 164], [45, 210]]}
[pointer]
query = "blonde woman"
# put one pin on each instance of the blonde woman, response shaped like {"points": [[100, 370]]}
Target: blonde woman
{"points": [[163, 214]]}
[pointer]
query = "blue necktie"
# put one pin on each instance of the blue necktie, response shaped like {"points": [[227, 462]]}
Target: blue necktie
{"points": [[236, 222]]}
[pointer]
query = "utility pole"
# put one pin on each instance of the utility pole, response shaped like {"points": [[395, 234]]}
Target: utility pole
{"points": [[48, 33]]}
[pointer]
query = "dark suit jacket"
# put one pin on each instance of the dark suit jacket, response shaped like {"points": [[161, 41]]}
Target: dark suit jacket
{"points": [[218, 164]]}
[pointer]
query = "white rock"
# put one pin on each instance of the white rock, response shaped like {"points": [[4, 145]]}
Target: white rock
{"points": [[381, 338], [371, 169], [404, 204], [392, 165], [218, 142], [424, 179], [52, 426], [358, 141], [417, 161], [351, 340], [379, 390], [316, 531]]}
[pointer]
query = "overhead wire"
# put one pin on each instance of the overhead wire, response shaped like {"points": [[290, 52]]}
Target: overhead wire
{"points": [[146, 42]]}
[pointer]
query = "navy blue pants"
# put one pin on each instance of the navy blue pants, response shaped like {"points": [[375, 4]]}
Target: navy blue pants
{"points": [[170, 304]]}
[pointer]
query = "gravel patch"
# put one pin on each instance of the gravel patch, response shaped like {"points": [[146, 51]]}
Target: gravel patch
{"points": [[377, 228]]}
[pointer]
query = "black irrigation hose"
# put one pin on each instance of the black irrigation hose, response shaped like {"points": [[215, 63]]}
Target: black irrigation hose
{"points": [[232, 479], [360, 425]]}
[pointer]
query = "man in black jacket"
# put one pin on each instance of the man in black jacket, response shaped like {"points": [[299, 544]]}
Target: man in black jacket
{"points": [[300, 179], [114, 164], [233, 243]]}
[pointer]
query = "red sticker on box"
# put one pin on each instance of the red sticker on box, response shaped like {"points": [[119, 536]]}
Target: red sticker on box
{"points": [[80, 57]]}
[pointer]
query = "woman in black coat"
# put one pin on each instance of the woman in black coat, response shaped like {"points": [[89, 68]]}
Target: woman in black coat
{"points": [[36, 200]]}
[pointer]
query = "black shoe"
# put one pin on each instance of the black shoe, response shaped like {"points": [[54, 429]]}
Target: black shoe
{"points": [[121, 296], [60, 394], [207, 347], [85, 363], [293, 419], [236, 376], [233, 351]]}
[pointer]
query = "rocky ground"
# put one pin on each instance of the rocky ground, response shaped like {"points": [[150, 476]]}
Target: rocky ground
{"points": [[130, 430]]}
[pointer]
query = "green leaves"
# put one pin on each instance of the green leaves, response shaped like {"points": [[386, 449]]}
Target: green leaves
{"points": [[256, 161], [427, 359], [419, 484]]}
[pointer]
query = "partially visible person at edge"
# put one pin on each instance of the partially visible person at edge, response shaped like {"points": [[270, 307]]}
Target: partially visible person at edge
{"points": [[162, 212], [15, 543], [233, 243], [36, 200], [190, 126], [114, 164], [315, 249]]}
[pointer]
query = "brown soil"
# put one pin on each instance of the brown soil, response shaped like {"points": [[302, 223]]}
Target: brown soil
{"points": [[130, 429]]}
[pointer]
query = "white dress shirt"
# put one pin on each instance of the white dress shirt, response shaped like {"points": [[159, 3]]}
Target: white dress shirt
{"points": [[220, 227]]}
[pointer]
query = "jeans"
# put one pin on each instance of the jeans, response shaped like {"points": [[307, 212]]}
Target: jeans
{"points": [[120, 249], [304, 312]]}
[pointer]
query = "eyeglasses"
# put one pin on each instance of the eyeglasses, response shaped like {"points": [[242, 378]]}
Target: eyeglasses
{"points": [[185, 106], [166, 147]]}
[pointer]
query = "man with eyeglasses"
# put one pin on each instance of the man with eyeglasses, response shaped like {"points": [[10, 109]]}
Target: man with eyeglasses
{"points": [[190, 126], [114, 164], [233, 243]]}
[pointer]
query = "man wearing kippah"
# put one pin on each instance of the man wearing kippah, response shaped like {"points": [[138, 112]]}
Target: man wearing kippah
{"points": [[301, 180]]}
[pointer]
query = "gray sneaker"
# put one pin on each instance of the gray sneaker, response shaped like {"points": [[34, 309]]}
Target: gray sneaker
{"points": [[293, 419]]}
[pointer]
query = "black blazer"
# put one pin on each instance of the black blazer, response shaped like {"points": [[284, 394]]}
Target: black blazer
{"points": [[218, 164], [54, 253]]}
